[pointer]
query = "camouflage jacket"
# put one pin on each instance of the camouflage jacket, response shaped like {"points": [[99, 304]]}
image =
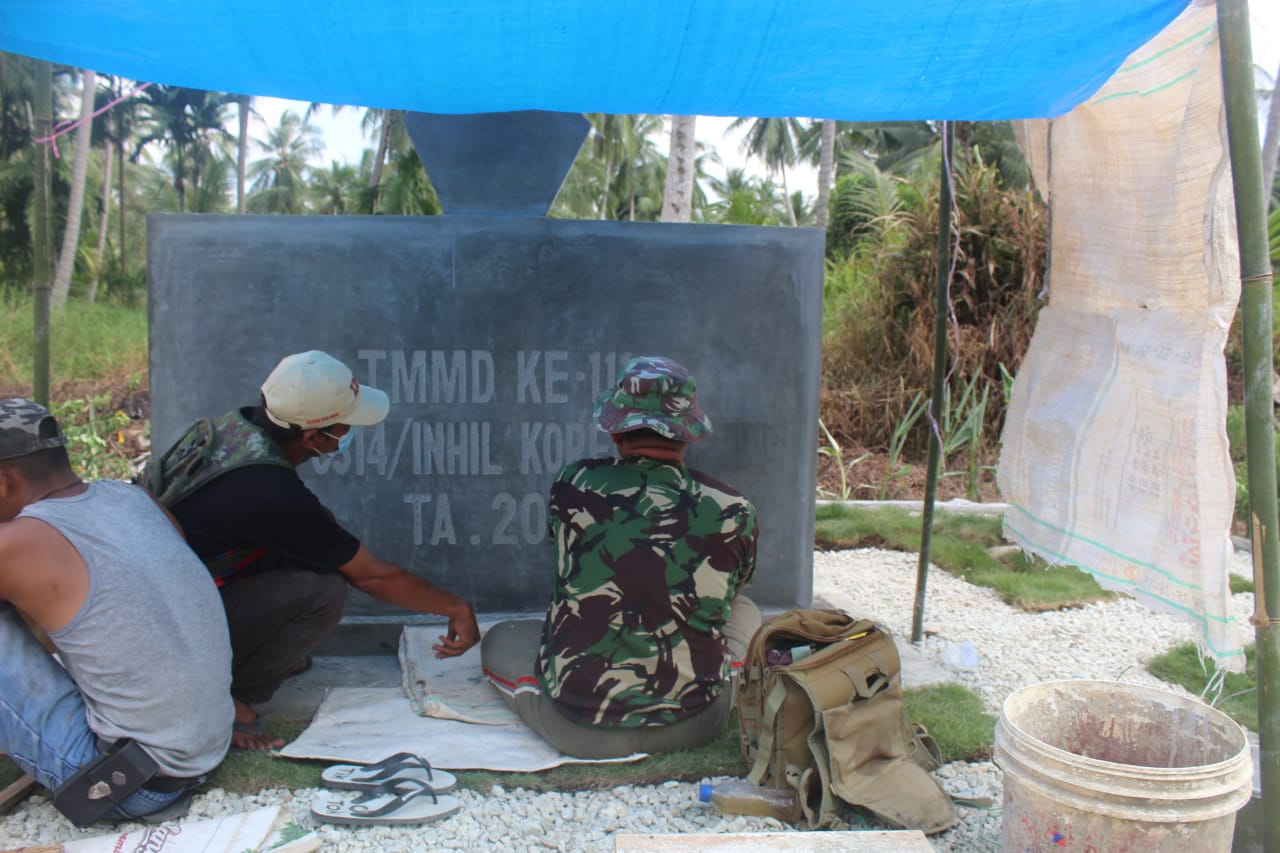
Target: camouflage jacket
{"points": [[206, 451], [648, 557]]}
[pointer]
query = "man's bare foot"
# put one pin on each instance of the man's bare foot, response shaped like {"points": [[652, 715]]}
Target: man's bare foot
{"points": [[250, 732]]}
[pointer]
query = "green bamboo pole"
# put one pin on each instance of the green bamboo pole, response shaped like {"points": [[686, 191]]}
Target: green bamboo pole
{"points": [[1256, 282], [42, 255], [941, 311]]}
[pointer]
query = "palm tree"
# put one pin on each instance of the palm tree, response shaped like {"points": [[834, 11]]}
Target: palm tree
{"points": [[392, 137], [337, 190], [405, 189], [745, 200], [624, 147], [186, 122], [826, 171], [773, 140], [244, 105], [279, 179], [75, 203], [677, 194]]}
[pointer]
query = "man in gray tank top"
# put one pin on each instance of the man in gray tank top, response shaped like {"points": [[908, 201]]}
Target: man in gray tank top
{"points": [[131, 611]]}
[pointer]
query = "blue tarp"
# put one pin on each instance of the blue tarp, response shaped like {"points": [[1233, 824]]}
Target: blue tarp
{"points": [[873, 61]]}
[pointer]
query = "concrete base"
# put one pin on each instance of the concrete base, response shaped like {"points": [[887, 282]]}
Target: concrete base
{"points": [[885, 841], [300, 696]]}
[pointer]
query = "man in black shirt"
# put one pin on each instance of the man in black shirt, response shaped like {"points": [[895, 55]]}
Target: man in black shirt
{"points": [[281, 560]]}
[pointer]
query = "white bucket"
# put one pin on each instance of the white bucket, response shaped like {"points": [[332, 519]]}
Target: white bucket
{"points": [[1106, 766]]}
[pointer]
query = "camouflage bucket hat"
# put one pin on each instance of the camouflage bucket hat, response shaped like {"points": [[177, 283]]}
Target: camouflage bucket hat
{"points": [[653, 393], [26, 427]]}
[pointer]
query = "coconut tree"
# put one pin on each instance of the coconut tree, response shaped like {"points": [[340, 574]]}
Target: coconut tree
{"points": [[75, 203], [244, 107], [774, 141], [406, 189], [745, 200], [677, 194], [279, 179], [392, 137], [184, 121], [826, 171], [335, 191]]}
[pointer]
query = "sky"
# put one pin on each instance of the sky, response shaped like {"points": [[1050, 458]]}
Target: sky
{"points": [[344, 142]]}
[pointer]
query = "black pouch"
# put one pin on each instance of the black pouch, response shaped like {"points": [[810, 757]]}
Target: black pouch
{"points": [[104, 783]]}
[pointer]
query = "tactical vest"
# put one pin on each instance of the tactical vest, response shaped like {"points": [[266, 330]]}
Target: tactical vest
{"points": [[206, 451]]}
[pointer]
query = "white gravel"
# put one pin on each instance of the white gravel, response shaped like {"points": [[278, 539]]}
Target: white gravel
{"points": [[1111, 640]]}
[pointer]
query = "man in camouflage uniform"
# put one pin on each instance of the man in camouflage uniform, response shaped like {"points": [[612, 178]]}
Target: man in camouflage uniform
{"points": [[646, 617]]}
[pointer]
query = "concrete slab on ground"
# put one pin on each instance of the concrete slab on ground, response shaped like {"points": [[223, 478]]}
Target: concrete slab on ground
{"points": [[300, 695], [880, 841]]}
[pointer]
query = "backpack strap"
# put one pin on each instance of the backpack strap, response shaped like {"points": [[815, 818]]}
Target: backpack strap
{"points": [[207, 450], [768, 720]]}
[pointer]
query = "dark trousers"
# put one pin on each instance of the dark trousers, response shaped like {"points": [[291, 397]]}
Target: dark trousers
{"points": [[276, 618]]}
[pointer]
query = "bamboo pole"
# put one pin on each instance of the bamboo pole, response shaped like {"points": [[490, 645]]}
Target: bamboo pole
{"points": [[1256, 283], [42, 255], [941, 310]]}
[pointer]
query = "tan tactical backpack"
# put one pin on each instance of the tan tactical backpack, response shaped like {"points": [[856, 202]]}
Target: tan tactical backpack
{"points": [[820, 709]]}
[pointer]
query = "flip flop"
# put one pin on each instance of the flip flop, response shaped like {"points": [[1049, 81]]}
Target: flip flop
{"points": [[394, 803], [402, 765]]}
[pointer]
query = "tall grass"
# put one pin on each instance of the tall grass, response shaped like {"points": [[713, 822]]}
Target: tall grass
{"points": [[87, 342], [879, 324]]}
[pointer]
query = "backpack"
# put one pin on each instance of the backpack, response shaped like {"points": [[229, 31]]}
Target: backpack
{"points": [[831, 725], [207, 450]]}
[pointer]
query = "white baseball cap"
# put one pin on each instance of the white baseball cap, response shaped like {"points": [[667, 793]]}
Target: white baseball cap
{"points": [[313, 390]]}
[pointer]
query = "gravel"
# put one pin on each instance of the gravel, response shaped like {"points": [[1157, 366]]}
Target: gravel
{"points": [[1109, 640]]}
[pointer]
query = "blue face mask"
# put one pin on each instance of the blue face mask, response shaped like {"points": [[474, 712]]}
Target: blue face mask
{"points": [[344, 441]]}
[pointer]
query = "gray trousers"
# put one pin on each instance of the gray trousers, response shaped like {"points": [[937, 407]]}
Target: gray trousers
{"points": [[509, 653], [276, 618]]}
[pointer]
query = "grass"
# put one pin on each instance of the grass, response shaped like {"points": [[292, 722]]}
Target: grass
{"points": [[86, 342], [954, 715], [1185, 666], [957, 719], [960, 546]]}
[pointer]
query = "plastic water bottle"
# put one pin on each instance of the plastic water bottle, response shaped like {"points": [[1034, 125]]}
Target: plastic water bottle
{"points": [[741, 797], [960, 657]]}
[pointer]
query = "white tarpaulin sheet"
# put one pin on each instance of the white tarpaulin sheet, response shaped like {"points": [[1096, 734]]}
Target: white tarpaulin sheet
{"points": [[445, 711], [362, 725], [1115, 454]]}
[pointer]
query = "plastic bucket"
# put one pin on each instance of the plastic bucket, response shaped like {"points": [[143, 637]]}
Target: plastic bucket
{"points": [[1106, 766]]}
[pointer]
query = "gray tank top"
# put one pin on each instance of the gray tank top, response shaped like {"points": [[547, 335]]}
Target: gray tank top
{"points": [[149, 649]]}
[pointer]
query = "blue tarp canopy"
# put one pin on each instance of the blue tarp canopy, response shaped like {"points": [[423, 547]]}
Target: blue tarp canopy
{"points": [[875, 60]]}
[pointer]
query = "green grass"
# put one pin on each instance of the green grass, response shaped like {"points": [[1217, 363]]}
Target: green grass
{"points": [[954, 716], [1240, 584], [1184, 666], [86, 342], [959, 545]]}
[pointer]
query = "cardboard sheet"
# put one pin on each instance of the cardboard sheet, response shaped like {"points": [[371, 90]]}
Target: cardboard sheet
{"points": [[452, 688]]}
